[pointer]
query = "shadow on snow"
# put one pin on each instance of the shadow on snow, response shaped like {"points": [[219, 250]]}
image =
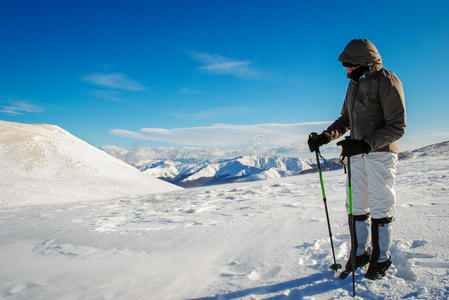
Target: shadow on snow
{"points": [[314, 284]]}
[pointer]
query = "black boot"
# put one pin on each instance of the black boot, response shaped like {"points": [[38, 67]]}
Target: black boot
{"points": [[377, 270], [381, 240], [361, 230], [360, 261]]}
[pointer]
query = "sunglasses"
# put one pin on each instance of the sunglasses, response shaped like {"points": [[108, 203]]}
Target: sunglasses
{"points": [[346, 64]]}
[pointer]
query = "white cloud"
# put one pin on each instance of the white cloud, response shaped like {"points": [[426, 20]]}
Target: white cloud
{"points": [[441, 134], [198, 154], [188, 91], [115, 80], [110, 95], [224, 135], [20, 107], [212, 113], [216, 64]]}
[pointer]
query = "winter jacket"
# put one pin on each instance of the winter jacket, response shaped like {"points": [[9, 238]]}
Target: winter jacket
{"points": [[374, 107]]}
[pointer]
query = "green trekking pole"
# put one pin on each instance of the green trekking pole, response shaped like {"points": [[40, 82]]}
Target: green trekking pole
{"points": [[351, 226], [335, 267]]}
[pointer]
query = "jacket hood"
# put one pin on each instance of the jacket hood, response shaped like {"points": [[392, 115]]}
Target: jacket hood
{"points": [[361, 52]]}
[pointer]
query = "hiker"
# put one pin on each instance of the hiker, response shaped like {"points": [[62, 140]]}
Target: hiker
{"points": [[374, 113]]}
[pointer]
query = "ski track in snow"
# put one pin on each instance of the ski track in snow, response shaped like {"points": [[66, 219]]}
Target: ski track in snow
{"points": [[257, 240]]}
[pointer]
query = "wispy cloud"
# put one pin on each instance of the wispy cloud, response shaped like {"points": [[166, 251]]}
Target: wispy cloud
{"points": [[217, 64], [221, 135], [442, 134], [110, 95], [212, 113], [20, 107], [114, 80], [188, 91]]}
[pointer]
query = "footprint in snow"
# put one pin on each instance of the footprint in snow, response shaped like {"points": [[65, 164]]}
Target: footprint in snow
{"points": [[50, 247], [317, 253], [306, 261], [19, 288], [433, 265], [262, 275], [289, 205], [418, 243], [402, 256]]}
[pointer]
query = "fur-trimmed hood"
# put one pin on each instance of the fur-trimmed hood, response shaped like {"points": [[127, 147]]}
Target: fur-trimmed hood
{"points": [[361, 52]]}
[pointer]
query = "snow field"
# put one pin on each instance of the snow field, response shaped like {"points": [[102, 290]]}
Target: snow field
{"points": [[255, 240]]}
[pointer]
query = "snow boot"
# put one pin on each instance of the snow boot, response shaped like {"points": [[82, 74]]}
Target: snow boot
{"points": [[361, 234], [381, 241], [377, 270], [360, 261]]}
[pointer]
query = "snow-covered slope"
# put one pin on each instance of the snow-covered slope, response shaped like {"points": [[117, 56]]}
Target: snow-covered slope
{"points": [[162, 169], [251, 240], [433, 150], [44, 164]]}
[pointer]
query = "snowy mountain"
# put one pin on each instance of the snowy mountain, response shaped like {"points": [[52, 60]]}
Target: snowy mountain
{"points": [[244, 168], [45, 164], [197, 172]]}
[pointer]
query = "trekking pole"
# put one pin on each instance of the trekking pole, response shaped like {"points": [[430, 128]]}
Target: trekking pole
{"points": [[334, 266], [351, 226]]}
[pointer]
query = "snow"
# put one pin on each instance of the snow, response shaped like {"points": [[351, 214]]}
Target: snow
{"points": [[242, 168], [206, 171], [45, 164], [252, 240], [165, 169], [267, 174]]}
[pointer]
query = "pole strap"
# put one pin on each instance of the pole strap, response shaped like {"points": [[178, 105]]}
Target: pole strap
{"points": [[321, 156]]}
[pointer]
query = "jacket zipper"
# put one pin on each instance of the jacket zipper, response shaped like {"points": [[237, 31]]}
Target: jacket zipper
{"points": [[352, 110]]}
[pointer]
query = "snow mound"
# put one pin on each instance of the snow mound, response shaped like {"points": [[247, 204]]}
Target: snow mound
{"points": [[46, 164], [439, 149]]}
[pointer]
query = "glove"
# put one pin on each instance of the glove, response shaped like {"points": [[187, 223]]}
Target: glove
{"points": [[317, 140], [352, 147]]}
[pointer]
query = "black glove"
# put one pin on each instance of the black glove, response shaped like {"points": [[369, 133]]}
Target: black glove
{"points": [[317, 140], [353, 147]]}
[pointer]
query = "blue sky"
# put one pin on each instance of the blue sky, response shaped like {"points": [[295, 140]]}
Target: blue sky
{"points": [[105, 70]]}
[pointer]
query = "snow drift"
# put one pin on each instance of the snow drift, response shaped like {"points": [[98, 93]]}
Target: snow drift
{"points": [[45, 164]]}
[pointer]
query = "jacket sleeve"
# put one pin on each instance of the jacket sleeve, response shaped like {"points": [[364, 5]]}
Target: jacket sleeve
{"points": [[340, 126], [391, 96]]}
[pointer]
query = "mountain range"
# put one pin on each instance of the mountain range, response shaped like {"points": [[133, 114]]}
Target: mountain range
{"points": [[196, 172], [43, 164], [243, 168]]}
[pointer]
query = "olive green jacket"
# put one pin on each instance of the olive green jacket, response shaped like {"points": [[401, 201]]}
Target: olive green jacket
{"points": [[374, 107]]}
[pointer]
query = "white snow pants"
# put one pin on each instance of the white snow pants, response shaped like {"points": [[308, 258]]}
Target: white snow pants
{"points": [[373, 177]]}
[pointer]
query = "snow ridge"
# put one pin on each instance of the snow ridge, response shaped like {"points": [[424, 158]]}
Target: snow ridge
{"points": [[44, 164]]}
